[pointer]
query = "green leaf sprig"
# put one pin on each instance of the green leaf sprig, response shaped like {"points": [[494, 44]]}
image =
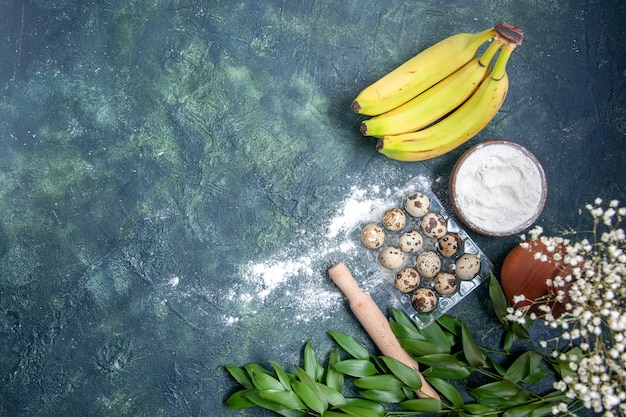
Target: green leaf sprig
{"points": [[384, 387]]}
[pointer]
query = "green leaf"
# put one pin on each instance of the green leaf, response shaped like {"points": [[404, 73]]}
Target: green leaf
{"points": [[520, 330], [358, 411], [283, 377], [481, 409], [311, 365], [238, 400], [498, 299], [309, 396], [350, 345], [420, 348], [367, 404], [333, 397], [509, 338], [355, 367], [404, 373], [288, 399], [449, 372], [530, 410], [514, 330], [497, 389], [389, 397], [259, 401], [380, 382], [263, 381], [240, 375], [471, 350], [536, 375], [435, 335], [402, 332], [563, 367], [334, 379], [409, 393], [335, 414], [447, 390], [523, 366], [422, 405], [254, 368], [504, 393], [402, 326], [496, 366], [440, 360], [451, 324]]}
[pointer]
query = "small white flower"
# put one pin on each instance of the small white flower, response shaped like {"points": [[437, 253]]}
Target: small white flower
{"points": [[519, 298]]}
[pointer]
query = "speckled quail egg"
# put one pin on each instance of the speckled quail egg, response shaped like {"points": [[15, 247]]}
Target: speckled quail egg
{"points": [[445, 283], [372, 236], [428, 263], [424, 300], [407, 280], [434, 225], [394, 219], [410, 242], [391, 257], [417, 204], [467, 266], [449, 244]]}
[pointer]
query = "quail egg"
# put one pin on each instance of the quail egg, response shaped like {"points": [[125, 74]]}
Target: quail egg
{"points": [[394, 219], [445, 283], [372, 236], [407, 280], [391, 257], [449, 244], [410, 242], [434, 225], [424, 300], [467, 266], [417, 204], [428, 263]]}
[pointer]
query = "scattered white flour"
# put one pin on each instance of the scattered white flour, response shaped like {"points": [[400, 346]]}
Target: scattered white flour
{"points": [[230, 320], [303, 272], [498, 188], [361, 205], [267, 277]]}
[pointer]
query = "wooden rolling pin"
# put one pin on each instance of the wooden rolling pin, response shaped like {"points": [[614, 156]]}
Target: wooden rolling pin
{"points": [[376, 324]]}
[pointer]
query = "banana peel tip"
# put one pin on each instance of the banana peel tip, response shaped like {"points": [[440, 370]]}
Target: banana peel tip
{"points": [[363, 129]]}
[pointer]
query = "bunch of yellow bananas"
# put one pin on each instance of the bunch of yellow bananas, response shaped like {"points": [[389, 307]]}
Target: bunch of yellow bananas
{"points": [[440, 98]]}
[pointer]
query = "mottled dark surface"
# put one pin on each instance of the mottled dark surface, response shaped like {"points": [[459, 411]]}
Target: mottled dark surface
{"points": [[155, 155]]}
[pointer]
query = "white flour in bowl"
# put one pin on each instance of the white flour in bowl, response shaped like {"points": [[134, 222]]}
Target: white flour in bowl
{"points": [[498, 188]]}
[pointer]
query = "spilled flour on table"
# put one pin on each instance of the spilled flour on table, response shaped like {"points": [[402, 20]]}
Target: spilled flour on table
{"points": [[300, 274]]}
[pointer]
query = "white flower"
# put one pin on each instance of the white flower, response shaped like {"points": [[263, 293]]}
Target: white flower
{"points": [[519, 298], [592, 288]]}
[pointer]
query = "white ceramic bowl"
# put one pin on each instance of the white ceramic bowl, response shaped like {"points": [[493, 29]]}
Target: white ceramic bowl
{"points": [[498, 188]]}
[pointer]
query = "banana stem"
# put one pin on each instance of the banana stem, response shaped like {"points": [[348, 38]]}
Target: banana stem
{"points": [[509, 33], [499, 69], [489, 53]]}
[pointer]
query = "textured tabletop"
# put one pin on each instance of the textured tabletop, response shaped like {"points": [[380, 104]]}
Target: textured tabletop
{"points": [[176, 178]]}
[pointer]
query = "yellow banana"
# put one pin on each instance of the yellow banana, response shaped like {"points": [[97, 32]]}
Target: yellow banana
{"points": [[420, 72], [460, 126], [435, 102]]}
